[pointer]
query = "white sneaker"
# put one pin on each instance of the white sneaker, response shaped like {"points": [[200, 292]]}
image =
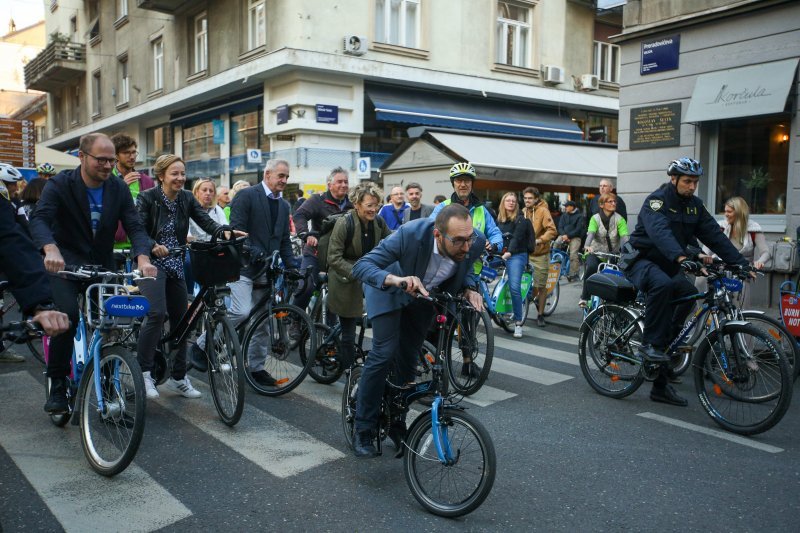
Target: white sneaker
{"points": [[183, 387], [150, 390], [518, 331]]}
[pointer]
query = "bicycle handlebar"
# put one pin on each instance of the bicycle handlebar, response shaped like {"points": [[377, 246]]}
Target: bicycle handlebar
{"points": [[91, 272]]}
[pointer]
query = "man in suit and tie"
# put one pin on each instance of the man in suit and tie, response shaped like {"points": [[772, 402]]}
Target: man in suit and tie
{"points": [[424, 254], [263, 214], [74, 223], [417, 209]]}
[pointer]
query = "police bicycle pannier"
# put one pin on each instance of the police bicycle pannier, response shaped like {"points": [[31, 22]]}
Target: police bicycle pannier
{"points": [[611, 288], [217, 262]]}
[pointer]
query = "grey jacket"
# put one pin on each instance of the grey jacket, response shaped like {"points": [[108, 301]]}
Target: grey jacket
{"points": [[426, 212]]}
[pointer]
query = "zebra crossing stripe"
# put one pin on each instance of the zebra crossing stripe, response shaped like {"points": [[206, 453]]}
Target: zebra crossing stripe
{"points": [[275, 446], [528, 373], [53, 462], [531, 348]]}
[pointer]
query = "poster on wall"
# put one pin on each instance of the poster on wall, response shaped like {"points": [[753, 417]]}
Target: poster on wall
{"points": [[655, 126], [661, 54]]}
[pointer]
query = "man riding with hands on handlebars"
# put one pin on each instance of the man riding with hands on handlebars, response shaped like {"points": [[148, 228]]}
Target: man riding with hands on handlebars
{"points": [[656, 257], [421, 255]]}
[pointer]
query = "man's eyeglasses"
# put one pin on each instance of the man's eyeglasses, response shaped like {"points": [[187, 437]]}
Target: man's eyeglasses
{"points": [[130, 153], [103, 160], [528, 198], [459, 242]]}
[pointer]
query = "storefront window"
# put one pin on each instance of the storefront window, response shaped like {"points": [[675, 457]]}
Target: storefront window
{"points": [[247, 132], [159, 142], [753, 163], [198, 142]]}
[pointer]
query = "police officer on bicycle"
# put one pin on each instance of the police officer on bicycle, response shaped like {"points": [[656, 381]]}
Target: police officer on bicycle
{"points": [[656, 257]]}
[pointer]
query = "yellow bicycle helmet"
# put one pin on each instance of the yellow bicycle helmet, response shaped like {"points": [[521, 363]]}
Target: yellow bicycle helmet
{"points": [[461, 169]]}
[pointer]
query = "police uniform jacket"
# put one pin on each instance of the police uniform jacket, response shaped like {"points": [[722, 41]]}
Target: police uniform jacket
{"points": [[668, 223]]}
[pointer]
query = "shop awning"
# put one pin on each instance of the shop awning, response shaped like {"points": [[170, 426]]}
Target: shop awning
{"points": [[742, 92], [424, 108], [60, 160], [522, 160]]}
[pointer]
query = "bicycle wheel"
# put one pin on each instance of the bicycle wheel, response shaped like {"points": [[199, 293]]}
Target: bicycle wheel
{"points": [[470, 336], [283, 338], [110, 437], [742, 380], [349, 396], [459, 487], [552, 300], [607, 344], [225, 369], [777, 331], [35, 347], [326, 367]]}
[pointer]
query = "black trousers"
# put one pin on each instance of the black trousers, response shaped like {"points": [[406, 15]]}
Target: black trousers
{"points": [[65, 296], [168, 298]]}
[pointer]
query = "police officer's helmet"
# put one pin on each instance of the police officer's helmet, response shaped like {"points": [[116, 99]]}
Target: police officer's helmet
{"points": [[685, 166], [461, 169], [9, 174], [46, 169]]}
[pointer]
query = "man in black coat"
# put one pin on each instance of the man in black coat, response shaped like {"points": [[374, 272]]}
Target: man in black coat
{"points": [[571, 228], [74, 223]]}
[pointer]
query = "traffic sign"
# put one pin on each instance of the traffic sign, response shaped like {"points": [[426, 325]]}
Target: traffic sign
{"points": [[253, 155], [363, 168]]}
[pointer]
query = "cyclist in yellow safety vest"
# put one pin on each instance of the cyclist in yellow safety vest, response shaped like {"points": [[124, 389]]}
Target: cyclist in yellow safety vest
{"points": [[462, 177]]}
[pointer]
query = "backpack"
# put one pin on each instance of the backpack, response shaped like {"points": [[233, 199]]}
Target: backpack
{"points": [[324, 239]]}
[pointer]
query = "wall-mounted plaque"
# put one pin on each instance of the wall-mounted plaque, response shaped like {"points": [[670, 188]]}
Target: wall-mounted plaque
{"points": [[655, 126]]}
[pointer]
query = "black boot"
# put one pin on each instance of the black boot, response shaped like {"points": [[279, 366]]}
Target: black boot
{"points": [[667, 394], [363, 446], [648, 352], [57, 402]]}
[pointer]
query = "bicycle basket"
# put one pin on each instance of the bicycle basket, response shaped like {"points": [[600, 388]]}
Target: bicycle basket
{"points": [[109, 304], [216, 263]]}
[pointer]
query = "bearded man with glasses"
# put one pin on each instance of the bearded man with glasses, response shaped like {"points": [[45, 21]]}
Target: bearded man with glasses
{"points": [[74, 223], [422, 254], [137, 180]]}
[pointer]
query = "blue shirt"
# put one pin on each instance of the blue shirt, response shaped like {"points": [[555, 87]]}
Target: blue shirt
{"points": [[95, 195], [392, 216]]}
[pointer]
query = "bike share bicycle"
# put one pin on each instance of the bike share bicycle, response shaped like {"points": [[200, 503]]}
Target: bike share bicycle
{"points": [[743, 381], [449, 459], [214, 263], [105, 388]]}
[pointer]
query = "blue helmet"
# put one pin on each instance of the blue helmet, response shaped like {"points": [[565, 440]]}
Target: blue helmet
{"points": [[685, 166]]}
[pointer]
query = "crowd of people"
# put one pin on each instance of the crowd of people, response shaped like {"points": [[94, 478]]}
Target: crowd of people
{"points": [[381, 250]]}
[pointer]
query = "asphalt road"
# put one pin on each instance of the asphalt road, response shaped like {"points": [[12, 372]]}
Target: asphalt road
{"points": [[568, 460]]}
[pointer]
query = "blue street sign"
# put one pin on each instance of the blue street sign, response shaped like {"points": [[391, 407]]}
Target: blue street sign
{"points": [[282, 112], [660, 54], [328, 114]]}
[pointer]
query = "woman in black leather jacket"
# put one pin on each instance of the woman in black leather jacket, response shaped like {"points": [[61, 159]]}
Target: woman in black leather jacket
{"points": [[165, 211]]}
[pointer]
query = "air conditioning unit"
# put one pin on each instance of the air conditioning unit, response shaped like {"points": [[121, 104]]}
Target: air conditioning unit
{"points": [[590, 82], [553, 74], [355, 45]]}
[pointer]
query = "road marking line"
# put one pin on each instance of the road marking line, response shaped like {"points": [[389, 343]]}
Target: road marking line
{"points": [[538, 333], [330, 396], [277, 447], [53, 462], [712, 432], [487, 395], [537, 351], [528, 373]]}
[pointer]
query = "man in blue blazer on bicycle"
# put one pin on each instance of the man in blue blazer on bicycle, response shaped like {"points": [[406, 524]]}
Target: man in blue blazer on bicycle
{"points": [[421, 255]]}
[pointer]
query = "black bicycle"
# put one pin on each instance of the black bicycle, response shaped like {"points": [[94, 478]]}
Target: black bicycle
{"points": [[7, 304], [743, 379], [282, 333], [208, 313], [448, 456]]}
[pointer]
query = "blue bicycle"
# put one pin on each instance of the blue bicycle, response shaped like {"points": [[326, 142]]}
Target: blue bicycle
{"points": [[105, 389], [448, 456]]}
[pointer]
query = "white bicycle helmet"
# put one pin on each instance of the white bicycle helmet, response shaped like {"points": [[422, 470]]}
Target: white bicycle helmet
{"points": [[9, 174]]}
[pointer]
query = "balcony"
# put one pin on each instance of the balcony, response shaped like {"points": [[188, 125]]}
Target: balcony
{"points": [[56, 66], [163, 6]]}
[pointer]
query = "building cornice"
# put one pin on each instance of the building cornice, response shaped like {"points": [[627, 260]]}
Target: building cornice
{"points": [[692, 19], [253, 73]]}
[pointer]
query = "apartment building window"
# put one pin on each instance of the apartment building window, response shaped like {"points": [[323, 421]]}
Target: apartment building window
{"points": [[75, 105], [247, 131], [58, 107], [200, 42], [41, 133], [198, 142], [158, 64], [513, 34], [606, 61], [256, 24], [398, 22], [124, 81], [97, 94]]}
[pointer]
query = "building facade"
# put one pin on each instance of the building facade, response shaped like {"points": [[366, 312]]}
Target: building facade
{"points": [[228, 84], [716, 81]]}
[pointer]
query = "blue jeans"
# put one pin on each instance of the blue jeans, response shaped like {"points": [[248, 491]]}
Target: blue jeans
{"points": [[515, 266]]}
